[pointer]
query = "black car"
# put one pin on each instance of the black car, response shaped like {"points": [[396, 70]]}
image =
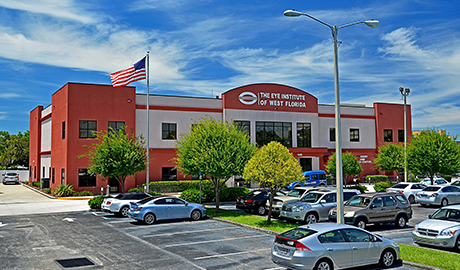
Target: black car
{"points": [[255, 201]]}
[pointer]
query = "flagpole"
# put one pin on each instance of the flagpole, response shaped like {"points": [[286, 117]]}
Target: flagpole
{"points": [[148, 125]]}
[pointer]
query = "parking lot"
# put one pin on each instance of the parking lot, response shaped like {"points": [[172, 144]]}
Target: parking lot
{"points": [[38, 241]]}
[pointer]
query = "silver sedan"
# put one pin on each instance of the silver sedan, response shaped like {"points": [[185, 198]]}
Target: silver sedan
{"points": [[442, 229], [438, 195], [332, 246]]}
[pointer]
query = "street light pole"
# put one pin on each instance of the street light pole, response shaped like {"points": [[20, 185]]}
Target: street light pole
{"points": [[338, 136], [405, 92]]}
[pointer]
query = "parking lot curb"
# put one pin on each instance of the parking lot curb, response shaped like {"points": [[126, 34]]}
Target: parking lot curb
{"points": [[423, 266], [38, 191]]}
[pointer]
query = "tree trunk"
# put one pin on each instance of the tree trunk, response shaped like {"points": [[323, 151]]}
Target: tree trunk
{"points": [[217, 199]]}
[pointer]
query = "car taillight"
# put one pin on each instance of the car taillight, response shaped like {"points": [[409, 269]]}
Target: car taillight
{"points": [[249, 201], [109, 203], [301, 247], [401, 191], [138, 208], [434, 194]]}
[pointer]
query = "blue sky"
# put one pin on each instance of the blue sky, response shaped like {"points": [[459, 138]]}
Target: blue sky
{"points": [[204, 48]]}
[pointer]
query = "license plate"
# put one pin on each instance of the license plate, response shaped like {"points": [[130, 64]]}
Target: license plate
{"points": [[283, 251]]}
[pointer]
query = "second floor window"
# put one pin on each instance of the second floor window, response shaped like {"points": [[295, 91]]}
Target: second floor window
{"points": [[332, 134], [87, 129], [304, 135], [274, 131], [387, 135], [116, 126], [400, 135], [168, 131], [354, 135]]}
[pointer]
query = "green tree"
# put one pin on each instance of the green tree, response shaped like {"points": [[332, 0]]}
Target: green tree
{"points": [[117, 155], [390, 157], [350, 166], [273, 167], [433, 152], [213, 148], [14, 149]]}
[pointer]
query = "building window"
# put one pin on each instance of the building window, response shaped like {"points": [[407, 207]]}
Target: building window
{"points": [[387, 135], [62, 176], [88, 129], [43, 172], [52, 179], [168, 174], [304, 135], [115, 127], [86, 179], [400, 135], [35, 172], [244, 126], [274, 131], [332, 134], [63, 130], [168, 131], [354, 135]]}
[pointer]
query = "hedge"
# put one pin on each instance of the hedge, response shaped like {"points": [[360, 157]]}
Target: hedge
{"points": [[376, 178], [225, 195], [180, 186], [382, 186]]}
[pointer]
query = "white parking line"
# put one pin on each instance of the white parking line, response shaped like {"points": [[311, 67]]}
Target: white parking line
{"points": [[166, 224], [218, 240], [185, 232], [229, 254]]}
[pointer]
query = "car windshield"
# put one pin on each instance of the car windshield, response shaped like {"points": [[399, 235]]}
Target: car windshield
{"points": [[431, 189], [11, 174], [447, 214], [298, 233], [311, 197], [295, 193], [401, 186], [359, 201]]}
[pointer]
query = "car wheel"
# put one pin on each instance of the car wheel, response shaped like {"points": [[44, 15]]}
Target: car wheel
{"points": [[457, 244], [124, 211], [360, 223], [196, 215], [261, 210], [412, 199], [444, 202], [324, 264], [387, 259], [400, 222], [311, 218], [149, 218]]}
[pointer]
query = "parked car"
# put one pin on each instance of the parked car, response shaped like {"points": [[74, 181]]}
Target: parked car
{"points": [[293, 195], [441, 229], [375, 208], [11, 177], [255, 201], [332, 246], [438, 195], [120, 204], [408, 189], [436, 181], [455, 183], [316, 178], [315, 205], [149, 210]]}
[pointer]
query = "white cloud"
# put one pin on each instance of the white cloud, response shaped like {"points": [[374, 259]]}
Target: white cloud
{"points": [[9, 95], [64, 9]]}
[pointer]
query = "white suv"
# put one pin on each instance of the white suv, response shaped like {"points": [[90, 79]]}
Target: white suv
{"points": [[119, 205], [11, 177]]}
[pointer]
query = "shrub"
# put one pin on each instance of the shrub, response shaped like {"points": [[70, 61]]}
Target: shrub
{"points": [[153, 193], [83, 193], [63, 191], [136, 189], [447, 177], [232, 193], [382, 186], [361, 188], [35, 184], [47, 190], [193, 195], [180, 186], [376, 178], [96, 202]]}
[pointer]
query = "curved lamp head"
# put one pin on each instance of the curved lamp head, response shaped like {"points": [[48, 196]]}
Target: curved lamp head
{"points": [[292, 13], [372, 23]]}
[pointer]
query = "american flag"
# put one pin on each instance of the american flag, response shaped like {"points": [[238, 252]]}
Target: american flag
{"points": [[131, 74]]}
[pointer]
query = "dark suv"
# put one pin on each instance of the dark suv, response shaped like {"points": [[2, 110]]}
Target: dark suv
{"points": [[375, 208]]}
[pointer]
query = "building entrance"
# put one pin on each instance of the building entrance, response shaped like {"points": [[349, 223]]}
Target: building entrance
{"points": [[306, 164]]}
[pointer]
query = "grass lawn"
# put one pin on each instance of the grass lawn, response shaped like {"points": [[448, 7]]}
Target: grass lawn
{"points": [[436, 258]]}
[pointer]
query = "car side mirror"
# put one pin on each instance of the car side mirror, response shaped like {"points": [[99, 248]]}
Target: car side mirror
{"points": [[322, 201], [429, 216], [372, 206]]}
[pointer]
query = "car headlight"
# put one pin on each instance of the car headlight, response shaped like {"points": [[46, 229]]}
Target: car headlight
{"points": [[298, 208], [447, 232], [349, 214]]}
